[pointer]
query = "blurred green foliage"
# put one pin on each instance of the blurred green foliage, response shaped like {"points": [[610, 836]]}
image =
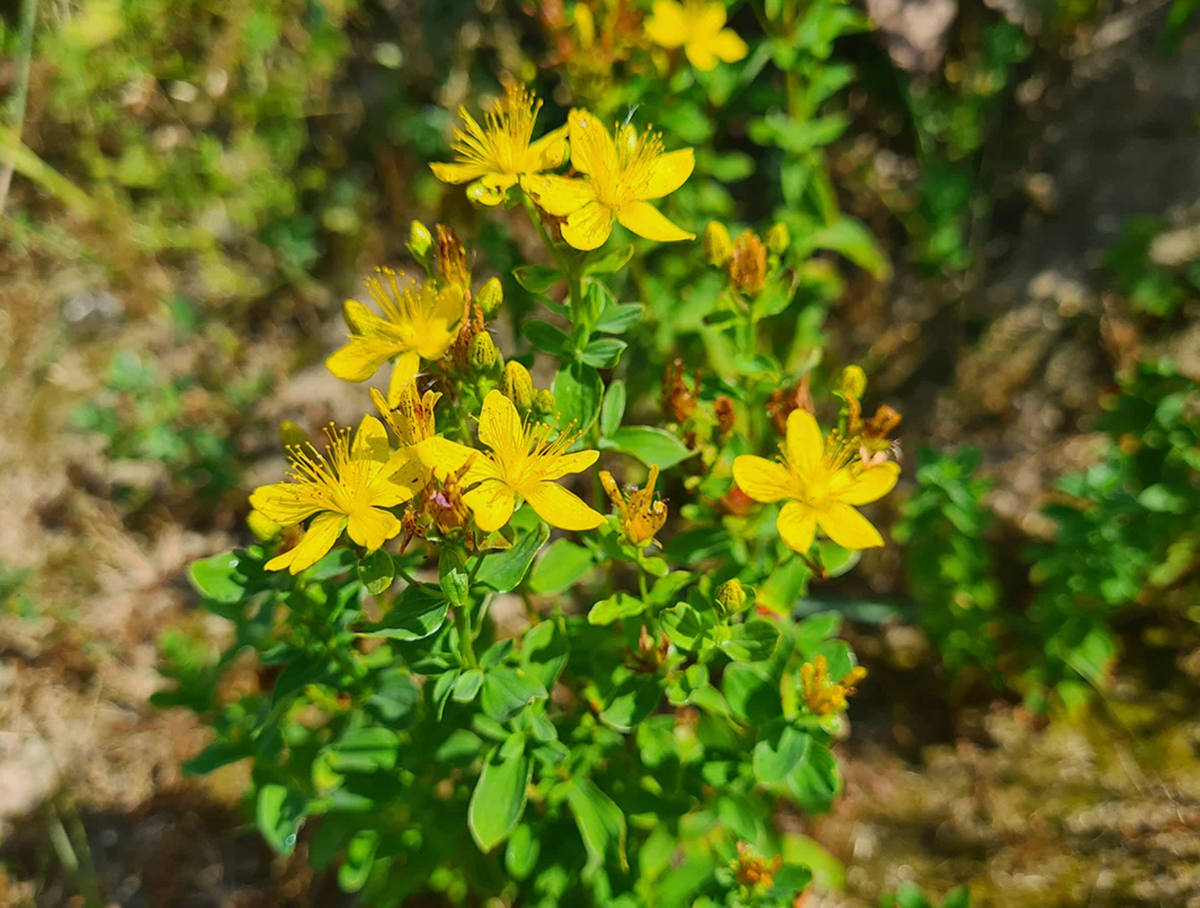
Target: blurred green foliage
{"points": [[1151, 288], [909, 895]]}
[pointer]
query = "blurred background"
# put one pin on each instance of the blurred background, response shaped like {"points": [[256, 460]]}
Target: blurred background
{"points": [[994, 210]]}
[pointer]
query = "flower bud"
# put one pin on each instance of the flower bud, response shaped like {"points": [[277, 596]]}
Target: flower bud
{"points": [[420, 240], [748, 267], [853, 382], [778, 238], [716, 244], [451, 257], [517, 385], [483, 352], [731, 596], [490, 297], [543, 402]]}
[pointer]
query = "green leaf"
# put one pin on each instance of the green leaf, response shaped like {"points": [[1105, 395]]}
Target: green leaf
{"points": [[521, 856], [560, 567], [815, 630], [620, 318], [683, 626], [577, 392], [649, 444], [452, 577], [785, 586], [632, 701], [279, 813], [613, 409], [503, 571], [815, 781], [376, 571], [753, 641], [218, 577], [418, 613], [611, 261], [443, 687], [506, 690], [395, 697], [365, 750], [848, 237], [216, 755], [467, 685], [360, 855], [499, 798], [537, 278], [751, 693], [547, 338], [618, 605], [601, 825], [779, 752], [544, 652], [603, 353]]}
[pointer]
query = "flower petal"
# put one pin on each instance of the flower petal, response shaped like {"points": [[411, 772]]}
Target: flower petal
{"points": [[492, 504], [370, 441], [700, 54], [709, 19], [549, 152], [847, 527], [405, 370], [457, 173], [646, 220], [589, 227], [561, 508], [592, 148], [797, 525], [408, 479], [667, 26], [500, 425], [867, 486], [443, 456], [568, 463], [668, 172], [372, 527], [318, 539], [359, 319], [448, 306], [559, 196], [729, 46], [804, 446], [362, 356], [283, 502], [764, 480]]}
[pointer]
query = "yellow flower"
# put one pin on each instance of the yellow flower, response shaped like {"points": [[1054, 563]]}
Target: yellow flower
{"points": [[420, 322], [524, 461], [619, 177], [699, 27], [349, 487], [821, 483], [496, 155], [412, 421], [821, 693], [642, 513]]}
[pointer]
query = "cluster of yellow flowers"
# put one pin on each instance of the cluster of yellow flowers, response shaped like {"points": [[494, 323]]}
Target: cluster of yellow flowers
{"points": [[821, 693]]}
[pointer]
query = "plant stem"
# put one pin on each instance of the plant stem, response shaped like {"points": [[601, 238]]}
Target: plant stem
{"points": [[20, 93], [466, 648], [641, 575]]}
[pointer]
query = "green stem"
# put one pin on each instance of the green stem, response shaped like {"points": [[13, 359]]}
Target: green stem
{"points": [[20, 93], [466, 648], [641, 575]]}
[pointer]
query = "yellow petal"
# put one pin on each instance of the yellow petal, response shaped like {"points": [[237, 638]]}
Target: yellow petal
{"points": [[372, 527], [482, 193], [764, 480], [569, 463], [668, 173], [805, 448], [549, 152], [700, 54], [457, 173], [403, 373], [318, 539], [370, 441], [409, 478], [283, 502], [729, 46], [588, 227], [492, 504], [500, 425], [797, 525], [448, 306], [558, 195], [385, 490], [868, 486], [646, 220], [499, 182], [561, 508], [362, 357], [667, 26], [359, 319], [847, 527], [592, 148], [709, 20], [443, 456], [435, 340]]}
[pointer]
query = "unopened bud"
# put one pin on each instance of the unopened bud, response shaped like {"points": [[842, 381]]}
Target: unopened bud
{"points": [[490, 297], [452, 257], [517, 385], [543, 402], [420, 240], [716, 244], [853, 382], [731, 596], [778, 238], [748, 269], [482, 352]]}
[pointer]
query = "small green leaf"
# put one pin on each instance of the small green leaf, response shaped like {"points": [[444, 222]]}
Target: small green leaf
{"points": [[216, 755], [632, 701], [753, 641], [467, 685], [499, 798], [418, 612], [504, 571], [619, 319], [611, 261], [683, 626], [522, 853], [604, 353], [544, 652], [649, 444], [452, 577], [577, 392], [365, 750], [785, 586], [376, 571], [618, 605], [506, 691], [279, 814], [601, 825], [560, 567], [778, 752], [850, 238], [360, 855], [537, 278], [751, 693], [218, 577], [547, 338], [613, 408]]}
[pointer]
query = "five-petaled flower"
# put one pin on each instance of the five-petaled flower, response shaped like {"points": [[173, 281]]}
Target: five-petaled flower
{"points": [[820, 483], [349, 487], [619, 177], [524, 461], [419, 322], [699, 27], [495, 156]]}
